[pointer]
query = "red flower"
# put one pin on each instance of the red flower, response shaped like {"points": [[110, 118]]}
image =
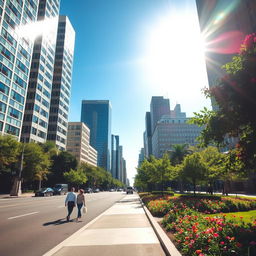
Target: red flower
{"points": [[222, 243], [198, 251], [216, 235]]}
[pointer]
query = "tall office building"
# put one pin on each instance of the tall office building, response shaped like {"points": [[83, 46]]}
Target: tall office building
{"points": [[158, 107], [15, 60], [148, 135], [115, 162], [224, 24], [36, 117], [141, 157], [96, 114], [61, 87]]}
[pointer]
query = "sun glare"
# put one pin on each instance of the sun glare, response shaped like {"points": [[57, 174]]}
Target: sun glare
{"points": [[175, 55]]}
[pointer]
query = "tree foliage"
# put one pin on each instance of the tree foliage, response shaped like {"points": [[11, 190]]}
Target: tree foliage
{"points": [[75, 177], [235, 96]]}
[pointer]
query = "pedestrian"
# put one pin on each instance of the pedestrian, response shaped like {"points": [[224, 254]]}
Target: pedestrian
{"points": [[70, 202], [80, 203]]}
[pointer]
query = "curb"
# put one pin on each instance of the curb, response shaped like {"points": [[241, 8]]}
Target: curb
{"points": [[165, 241]]}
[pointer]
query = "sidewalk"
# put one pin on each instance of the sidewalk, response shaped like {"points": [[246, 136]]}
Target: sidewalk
{"points": [[4, 196], [123, 229]]}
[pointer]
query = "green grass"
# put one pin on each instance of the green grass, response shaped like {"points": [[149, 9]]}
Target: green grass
{"points": [[247, 217]]}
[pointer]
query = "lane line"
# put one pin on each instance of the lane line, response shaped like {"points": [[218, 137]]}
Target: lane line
{"points": [[22, 215]]}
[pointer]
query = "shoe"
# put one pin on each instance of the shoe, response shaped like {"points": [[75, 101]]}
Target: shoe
{"points": [[67, 218]]}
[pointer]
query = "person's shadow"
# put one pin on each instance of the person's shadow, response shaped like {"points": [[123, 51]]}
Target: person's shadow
{"points": [[57, 222]]}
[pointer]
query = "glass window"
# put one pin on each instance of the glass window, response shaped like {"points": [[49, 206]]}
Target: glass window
{"points": [[4, 88], [2, 107], [17, 97], [12, 130]]}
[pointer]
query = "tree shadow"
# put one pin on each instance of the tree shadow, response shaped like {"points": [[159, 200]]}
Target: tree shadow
{"points": [[57, 222]]}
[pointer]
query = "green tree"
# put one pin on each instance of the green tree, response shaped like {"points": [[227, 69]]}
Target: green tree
{"points": [[10, 150], [194, 169], [36, 163], [235, 97], [178, 152], [63, 162], [75, 177]]}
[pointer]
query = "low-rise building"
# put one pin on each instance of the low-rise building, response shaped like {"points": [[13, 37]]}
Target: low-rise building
{"points": [[78, 143]]}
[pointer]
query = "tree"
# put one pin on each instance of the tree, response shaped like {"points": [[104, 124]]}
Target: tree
{"points": [[194, 169], [36, 163], [63, 162], [76, 177], [235, 96], [214, 162], [10, 150], [179, 151]]}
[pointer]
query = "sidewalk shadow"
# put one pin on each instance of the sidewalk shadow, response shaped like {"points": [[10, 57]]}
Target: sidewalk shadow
{"points": [[57, 222]]}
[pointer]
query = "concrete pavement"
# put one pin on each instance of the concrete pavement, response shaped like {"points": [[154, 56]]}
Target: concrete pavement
{"points": [[123, 229]]}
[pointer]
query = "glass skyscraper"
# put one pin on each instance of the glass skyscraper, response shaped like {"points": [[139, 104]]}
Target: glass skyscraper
{"points": [[15, 59], [96, 114]]}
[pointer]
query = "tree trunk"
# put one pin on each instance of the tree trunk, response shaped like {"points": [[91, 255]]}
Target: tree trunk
{"points": [[39, 184]]}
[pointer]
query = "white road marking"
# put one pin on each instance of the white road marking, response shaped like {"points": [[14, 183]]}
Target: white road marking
{"points": [[22, 215]]}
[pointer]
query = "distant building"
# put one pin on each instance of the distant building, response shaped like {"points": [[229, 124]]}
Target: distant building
{"points": [[96, 114], [158, 107], [141, 157], [173, 130], [224, 24], [115, 162], [78, 143], [147, 137]]}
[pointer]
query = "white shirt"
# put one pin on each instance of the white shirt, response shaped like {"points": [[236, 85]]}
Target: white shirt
{"points": [[71, 196]]}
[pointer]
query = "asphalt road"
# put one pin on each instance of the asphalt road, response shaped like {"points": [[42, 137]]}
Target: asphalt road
{"points": [[32, 226]]}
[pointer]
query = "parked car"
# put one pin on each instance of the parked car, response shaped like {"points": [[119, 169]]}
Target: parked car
{"points": [[88, 190], [111, 190], [119, 189], [96, 190], [129, 190], [45, 192], [60, 189]]}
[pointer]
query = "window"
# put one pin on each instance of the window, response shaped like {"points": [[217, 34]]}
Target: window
{"points": [[17, 97], [4, 89], [4, 70], [2, 107], [19, 81], [21, 66], [12, 130], [6, 53], [14, 113]]}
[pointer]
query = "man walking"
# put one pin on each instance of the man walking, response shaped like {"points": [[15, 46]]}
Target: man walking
{"points": [[70, 202]]}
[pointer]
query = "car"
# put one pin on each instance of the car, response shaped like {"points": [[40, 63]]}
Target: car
{"points": [[60, 189], [111, 190], [45, 192], [129, 190], [119, 189], [88, 190], [96, 190]]}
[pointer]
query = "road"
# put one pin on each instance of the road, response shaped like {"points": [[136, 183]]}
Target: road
{"points": [[32, 226]]}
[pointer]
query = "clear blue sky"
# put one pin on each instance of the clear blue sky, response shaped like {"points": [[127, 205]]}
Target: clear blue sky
{"points": [[121, 54]]}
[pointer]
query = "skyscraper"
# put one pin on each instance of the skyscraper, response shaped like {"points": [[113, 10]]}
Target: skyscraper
{"points": [[35, 121], [96, 114], [148, 135], [61, 87], [158, 107], [224, 24], [115, 162], [15, 59]]}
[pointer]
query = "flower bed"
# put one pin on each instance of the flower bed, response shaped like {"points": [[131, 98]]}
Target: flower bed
{"points": [[196, 233]]}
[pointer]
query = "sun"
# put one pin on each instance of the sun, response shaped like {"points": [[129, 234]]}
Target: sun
{"points": [[174, 56]]}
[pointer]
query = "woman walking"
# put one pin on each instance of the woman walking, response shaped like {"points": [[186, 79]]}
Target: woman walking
{"points": [[80, 203]]}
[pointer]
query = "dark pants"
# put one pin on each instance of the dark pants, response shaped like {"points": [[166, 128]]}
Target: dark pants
{"points": [[71, 206], [79, 207]]}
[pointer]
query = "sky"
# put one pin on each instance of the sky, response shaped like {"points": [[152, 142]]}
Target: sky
{"points": [[127, 51]]}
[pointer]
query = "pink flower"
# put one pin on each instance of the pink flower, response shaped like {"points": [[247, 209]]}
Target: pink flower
{"points": [[222, 243], [216, 235]]}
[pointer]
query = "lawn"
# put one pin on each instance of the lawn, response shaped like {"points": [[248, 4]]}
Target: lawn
{"points": [[247, 217]]}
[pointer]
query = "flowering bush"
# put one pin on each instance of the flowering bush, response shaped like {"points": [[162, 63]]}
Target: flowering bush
{"points": [[197, 234]]}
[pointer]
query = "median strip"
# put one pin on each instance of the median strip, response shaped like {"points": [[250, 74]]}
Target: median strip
{"points": [[22, 215]]}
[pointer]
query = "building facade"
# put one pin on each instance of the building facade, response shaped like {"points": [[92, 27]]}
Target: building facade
{"points": [[78, 143], [224, 24], [115, 162], [147, 137], [16, 48], [158, 107], [37, 110], [61, 87], [141, 157], [173, 129], [96, 114]]}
